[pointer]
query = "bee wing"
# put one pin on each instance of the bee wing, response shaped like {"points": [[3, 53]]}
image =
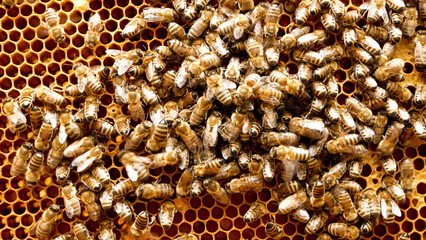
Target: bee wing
{"points": [[150, 71], [395, 208], [270, 99], [85, 164], [419, 127], [383, 208], [384, 15], [211, 138], [113, 52], [11, 127], [106, 196], [95, 23], [80, 158], [52, 117], [152, 18], [219, 47], [33, 228], [229, 84], [365, 6], [119, 207], [96, 69], [131, 172], [210, 94], [246, 126], [289, 169], [124, 65], [181, 77], [271, 119], [120, 92], [238, 32], [130, 28], [62, 134], [226, 152], [69, 210]]}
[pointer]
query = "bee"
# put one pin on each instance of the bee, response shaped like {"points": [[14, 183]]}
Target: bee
{"points": [[124, 59], [135, 104], [179, 5], [351, 17], [141, 222], [167, 214], [255, 165], [188, 99], [332, 112], [380, 123], [123, 187], [187, 237], [410, 20], [182, 187], [134, 27], [309, 128], [324, 236], [336, 172], [309, 57], [374, 10], [79, 147], [245, 5], [201, 4], [201, 23], [355, 169], [140, 134], [395, 34], [88, 197], [176, 31], [333, 205], [270, 117], [368, 43], [103, 127], [81, 232], [420, 95], [62, 171], [289, 153], [316, 222], [360, 71], [156, 190], [217, 44], [235, 26], [216, 191], [324, 71], [8, 3], [85, 160], [87, 77], [358, 109], [210, 135], [36, 119], [292, 202], [16, 119], [288, 187], [244, 184], [66, 236], [256, 211], [230, 130], [122, 124], [280, 138], [394, 188], [158, 137], [347, 122], [328, 20], [289, 40], [363, 206], [68, 127], [314, 8], [387, 144], [152, 14], [206, 61], [188, 135], [349, 211], [419, 50], [42, 142], [332, 53], [290, 85], [317, 198], [351, 186], [94, 29], [190, 13], [302, 13], [171, 111], [106, 228], [106, 198], [197, 187], [343, 144], [181, 48], [271, 20], [301, 214], [309, 39], [49, 96], [23, 154], [388, 207], [134, 165], [342, 230], [274, 231], [389, 69], [44, 225], [54, 157], [72, 203], [26, 98], [56, 31], [227, 171], [378, 33], [101, 173], [91, 107], [361, 55]]}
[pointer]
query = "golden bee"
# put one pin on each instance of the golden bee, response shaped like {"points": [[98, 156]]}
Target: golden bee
{"points": [[87, 77], [183, 185], [292, 202], [23, 154], [56, 31], [156, 190], [317, 198], [135, 104], [407, 175], [316, 222], [124, 59], [309, 128], [100, 172], [79, 147], [396, 191], [288, 41], [336, 172], [106, 228], [72, 203], [102, 127], [216, 191], [152, 14], [201, 23], [358, 109], [134, 27], [374, 10], [106, 198], [81, 232], [256, 211], [309, 57], [134, 165], [36, 119], [274, 230], [349, 211], [235, 26], [271, 20], [342, 230], [88, 198], [42, 142], [91, 181], [419, 50], [388, 207], [210, 135], [94, 29], [16, 119], [167, 214], [227, 171], [188, 135], [68, 128], [26, 98], [62, 171], [44, 225], [141, 133], [197, 187], [86, 160], [244, 184], [387, 144]]}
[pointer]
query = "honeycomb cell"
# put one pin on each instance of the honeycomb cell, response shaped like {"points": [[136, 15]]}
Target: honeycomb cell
{"points": [[419, 225], [21, 22], [24, 194], [407, 226], [10, 196], [9, 47], [6, 84], [7, 23], [419, 164]]}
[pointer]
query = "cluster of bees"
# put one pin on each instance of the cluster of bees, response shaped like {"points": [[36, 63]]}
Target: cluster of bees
{"points": [[218, 103]]}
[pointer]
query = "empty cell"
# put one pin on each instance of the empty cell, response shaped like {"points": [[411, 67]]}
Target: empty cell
{"points": [[87, 53], [234, 234], [109, 3], [184, 228], [72, 54], [70, 30], [9, 47], [231, 212], [203, 214], [208, 201], [14, 35], [19, 208], [292, 68], [410, 152], [3, 36], [156, 231], [42, 33], [397, 154], [198, 227], [130, 11], [48, 80], [341, 98], [195, 202], [128, 47], [20, 22], [225, 224], [407, 226], [161, 33], [104, 39], [172, 231], [111, 25], [7, 23], [17, 59], [19, 83], [118, 38], [422, 150], [419, 164], [11, 71], [117, 13], [147, 34], [24, 47], [212, 226], [421, 189], [237, 198]]}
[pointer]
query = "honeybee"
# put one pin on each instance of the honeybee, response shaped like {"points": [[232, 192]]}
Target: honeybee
{"points": [[197, 187], [72, 204], [358, 109], [328, 20], [389, 69], [343, 144], [332, 112], [16, 119], [135, 104], [44, 225], [23, 154], [87, 76], [80, 146], [387, 144], [187, 237], [181, 48], [141, 222], [106, 230], [68, 127], [106, 198], [152, 14], [388, 207], [255, 50], [122, 124], [124, 59], [42, 142], [227, 171], [56, 31], [210, 134], [36, 119], [394, 188], [302, 12], [91, 107], [26, 98], [190, 12], [336, 172], [216, 191], [217, 44], [292, 202], [349, 211], [204, 62], [85, 160], [332, 204], [324, 71], [360, 54], [316, 222], [156, 190], [351, 17], [407, 175], [62, 171], [309, 39], [235, 26], [309, 128], [54, 157], [317, 198], [230, 130], [94, 29], [81, 232], [134, 27], [271, 20], [201, 23], [90, 181], [49, 96], [419, 51], [66, 236], [140, 134], [268, 168], [274, 231], [167, 214], [134, 164], [102, 127], [256, 211], [182, 187], [88, 197], [289, 40], [410, 20], [375, 9], [280, 138], [188, 135], [309, 57], [305, 72], [342, 230], [288, 187], [101, 173]]}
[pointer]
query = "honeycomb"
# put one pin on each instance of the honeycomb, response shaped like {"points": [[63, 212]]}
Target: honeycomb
{"points": [[29, 57]]}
